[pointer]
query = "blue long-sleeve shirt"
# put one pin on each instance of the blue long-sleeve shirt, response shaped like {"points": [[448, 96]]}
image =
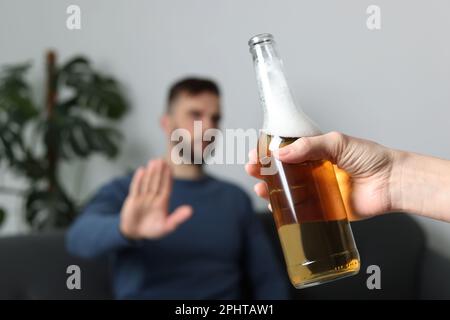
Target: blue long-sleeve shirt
{"points": [[204, 258]]}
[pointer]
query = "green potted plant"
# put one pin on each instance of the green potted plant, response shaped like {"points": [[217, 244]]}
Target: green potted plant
{"points": [[76, 121]]}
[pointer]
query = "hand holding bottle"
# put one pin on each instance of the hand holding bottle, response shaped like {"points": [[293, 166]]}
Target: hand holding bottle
{"points": [[383, 179]]}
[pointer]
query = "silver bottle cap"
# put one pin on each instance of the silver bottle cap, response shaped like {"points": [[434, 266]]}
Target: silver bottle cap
{"points": [[260, 38]]}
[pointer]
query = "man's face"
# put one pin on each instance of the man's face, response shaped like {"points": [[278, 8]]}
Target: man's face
{"points": [[186, 109]]}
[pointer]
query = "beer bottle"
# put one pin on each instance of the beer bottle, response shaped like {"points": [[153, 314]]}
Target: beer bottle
{"points": [[307, 206]]}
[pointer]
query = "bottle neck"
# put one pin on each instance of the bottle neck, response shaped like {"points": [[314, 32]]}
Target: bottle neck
{"points": [[273, 90], [282, 117]]}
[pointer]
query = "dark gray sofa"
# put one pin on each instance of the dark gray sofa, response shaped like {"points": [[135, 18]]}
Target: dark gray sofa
{"points": [[34, 266]]}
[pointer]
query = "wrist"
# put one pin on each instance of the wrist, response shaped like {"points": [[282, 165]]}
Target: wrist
{"points": [[401, 175], [395, 180], [126, 231]]}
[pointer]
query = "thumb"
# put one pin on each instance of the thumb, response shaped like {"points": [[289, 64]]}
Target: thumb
{"points": [[329, 146], [180, 215]]}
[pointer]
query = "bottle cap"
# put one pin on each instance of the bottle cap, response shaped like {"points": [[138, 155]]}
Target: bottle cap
{"points": [[260, 38]]}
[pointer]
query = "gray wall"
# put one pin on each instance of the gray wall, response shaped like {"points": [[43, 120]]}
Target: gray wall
{"points": [[390, 85]]}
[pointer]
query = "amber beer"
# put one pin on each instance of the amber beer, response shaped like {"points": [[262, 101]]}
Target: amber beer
{"points": [[310, 216], [306, 201]]}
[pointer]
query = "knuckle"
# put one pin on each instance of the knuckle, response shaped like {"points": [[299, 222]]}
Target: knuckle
{"points": [[336, 136], [337, 145], [338, 141], [303, 145]]}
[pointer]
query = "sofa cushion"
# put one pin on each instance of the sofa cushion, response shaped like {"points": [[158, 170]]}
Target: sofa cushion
{"points": [[34, 267]]}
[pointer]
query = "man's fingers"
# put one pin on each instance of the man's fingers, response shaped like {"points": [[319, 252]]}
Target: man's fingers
{"points": [[261, 190], [136, 181], [148, 175], [180, 215], [328, 146], [166, 181], [155, 181]]}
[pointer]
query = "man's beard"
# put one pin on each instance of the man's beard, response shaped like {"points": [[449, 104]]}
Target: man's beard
{"points": [[192, 150]]}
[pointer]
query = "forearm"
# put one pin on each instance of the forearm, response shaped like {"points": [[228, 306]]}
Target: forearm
{"points": [[421, 184], [95, 234]]}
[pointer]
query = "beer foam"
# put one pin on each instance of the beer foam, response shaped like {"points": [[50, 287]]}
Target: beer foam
{"points": [[282, 117]]}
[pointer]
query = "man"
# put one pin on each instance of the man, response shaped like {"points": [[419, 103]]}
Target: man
{"points": [[175, 232]]}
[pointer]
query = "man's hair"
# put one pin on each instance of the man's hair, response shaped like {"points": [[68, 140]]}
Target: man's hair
{"points": [[191, 86]]}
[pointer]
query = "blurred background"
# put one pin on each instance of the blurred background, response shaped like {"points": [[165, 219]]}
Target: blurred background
{"points": [[390, 85]]}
